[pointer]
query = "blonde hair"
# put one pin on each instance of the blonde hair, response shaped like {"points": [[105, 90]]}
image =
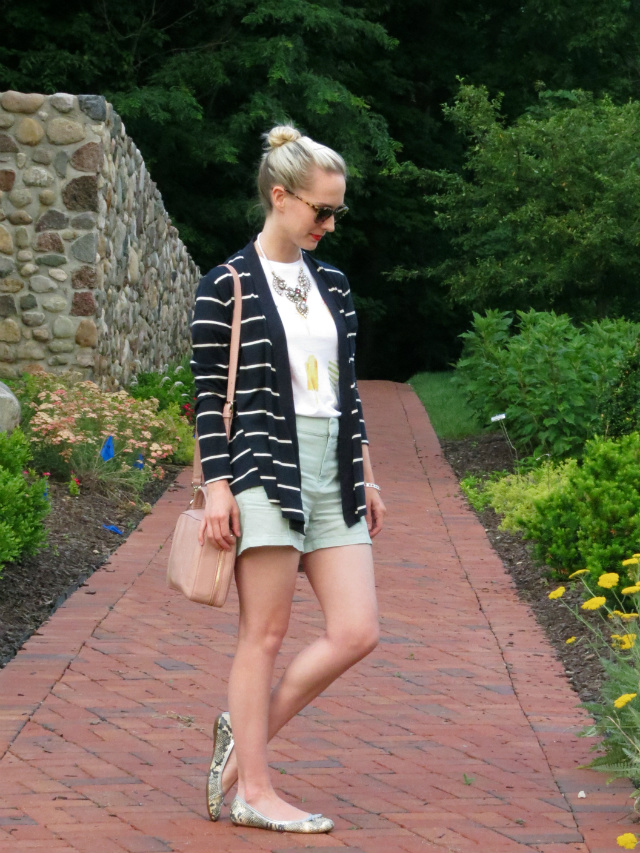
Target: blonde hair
{"points": [[289, 158]]}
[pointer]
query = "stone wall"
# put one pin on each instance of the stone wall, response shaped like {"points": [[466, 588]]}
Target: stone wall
{"points": [[93, 276]]}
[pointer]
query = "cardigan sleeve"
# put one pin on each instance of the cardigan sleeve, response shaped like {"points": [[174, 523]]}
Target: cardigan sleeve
{"points": [[211, 335], [351, 321]]}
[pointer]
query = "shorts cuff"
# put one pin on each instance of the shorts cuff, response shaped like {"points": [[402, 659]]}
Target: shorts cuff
{"points": [[271, 541], [335, 542]]}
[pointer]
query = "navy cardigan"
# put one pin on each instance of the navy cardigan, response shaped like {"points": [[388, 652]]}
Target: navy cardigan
{"points": [[263, 445]]}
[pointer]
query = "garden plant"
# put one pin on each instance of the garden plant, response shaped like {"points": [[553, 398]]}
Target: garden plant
{"points": [[23, 501], [85, 436], [549, 377], [613, 637]]}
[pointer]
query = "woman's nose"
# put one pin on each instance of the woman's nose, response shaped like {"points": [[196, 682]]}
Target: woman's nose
{"points": [[329, 224]]}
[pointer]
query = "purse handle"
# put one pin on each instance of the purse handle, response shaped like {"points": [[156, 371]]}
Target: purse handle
{"points": [[234, 350]]}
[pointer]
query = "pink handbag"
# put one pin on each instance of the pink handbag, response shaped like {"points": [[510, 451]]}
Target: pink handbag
{"points": [[203, 572]]}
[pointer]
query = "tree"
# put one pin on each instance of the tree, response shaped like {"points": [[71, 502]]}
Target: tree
{"points": [[196, 83], [547, 210]]}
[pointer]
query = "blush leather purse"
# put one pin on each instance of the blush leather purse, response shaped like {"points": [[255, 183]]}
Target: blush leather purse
{"points": [[203, 572]]}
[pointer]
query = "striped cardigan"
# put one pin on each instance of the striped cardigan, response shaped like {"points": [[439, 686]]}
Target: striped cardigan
{"points": [[263, 445]]}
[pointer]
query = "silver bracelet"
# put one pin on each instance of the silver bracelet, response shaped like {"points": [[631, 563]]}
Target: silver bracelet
{"points": [[372, 486]]}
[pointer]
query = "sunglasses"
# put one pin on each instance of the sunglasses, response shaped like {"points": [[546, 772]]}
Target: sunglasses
{"points": [[323, 213]]}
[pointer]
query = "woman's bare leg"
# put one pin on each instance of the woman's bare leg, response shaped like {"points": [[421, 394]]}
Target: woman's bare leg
{"points": [[266, 579], [343, 581]]}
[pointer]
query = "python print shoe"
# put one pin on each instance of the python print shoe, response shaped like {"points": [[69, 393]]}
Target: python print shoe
{"points": [[222, 746], [243, 815]]}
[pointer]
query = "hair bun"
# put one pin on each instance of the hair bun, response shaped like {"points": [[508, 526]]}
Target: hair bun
{"points": [[281, 135]]}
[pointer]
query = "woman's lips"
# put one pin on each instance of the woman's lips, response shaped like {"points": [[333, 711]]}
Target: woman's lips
{"points": [[316, 237]]}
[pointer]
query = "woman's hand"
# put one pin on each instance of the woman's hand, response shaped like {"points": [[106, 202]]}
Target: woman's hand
{"points": [[220, 509], [375, 510]]}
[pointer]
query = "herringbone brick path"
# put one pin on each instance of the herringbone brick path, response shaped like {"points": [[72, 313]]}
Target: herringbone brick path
{"points": [[458, 733]]}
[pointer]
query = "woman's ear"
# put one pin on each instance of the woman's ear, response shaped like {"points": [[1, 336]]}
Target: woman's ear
{"points": [[278, 196]]}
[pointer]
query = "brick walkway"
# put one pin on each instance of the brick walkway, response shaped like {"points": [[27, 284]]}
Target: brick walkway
{"points": [[456, 734]]}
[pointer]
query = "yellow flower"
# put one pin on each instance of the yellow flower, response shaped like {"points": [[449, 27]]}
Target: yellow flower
{"points": [[624, 616], [557, 593], [594, 603], [630, 590], [623, 641], [621, 701], [608, 580], [632, 561], [570, 640], [628, 840], [579, 572]]}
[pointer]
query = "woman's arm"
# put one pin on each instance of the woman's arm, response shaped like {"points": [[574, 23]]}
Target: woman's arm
{"points": [[375, 506], [211, 335]]}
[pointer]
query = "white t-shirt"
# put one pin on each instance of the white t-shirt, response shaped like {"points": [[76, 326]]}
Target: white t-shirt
{"points": [[312, 342]]}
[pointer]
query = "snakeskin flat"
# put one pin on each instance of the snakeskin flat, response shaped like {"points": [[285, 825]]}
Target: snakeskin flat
{"points": [[242, 814], [222, 746]]}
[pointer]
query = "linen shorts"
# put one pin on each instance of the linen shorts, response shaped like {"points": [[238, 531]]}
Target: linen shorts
{"points": [[261, 522]]}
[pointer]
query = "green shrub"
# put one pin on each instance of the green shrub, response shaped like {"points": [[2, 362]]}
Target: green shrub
{"points": [[550, 379], [592, 520], [620, 408], [474, 491], [174, 386], [514, 496], [23, 504], [182, 431]]}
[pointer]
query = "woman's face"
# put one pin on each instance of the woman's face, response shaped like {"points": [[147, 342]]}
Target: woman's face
{"points": [[295, 216]]}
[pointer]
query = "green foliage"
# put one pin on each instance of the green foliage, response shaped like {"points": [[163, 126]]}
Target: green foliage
{"points": [[181, 430], [174, 386], [592, 520], [620, 407], [546, 210], [514, 496], [474, 491], [23, 504], [549, 379], [197, 83], [619, 729], [449, 412]]}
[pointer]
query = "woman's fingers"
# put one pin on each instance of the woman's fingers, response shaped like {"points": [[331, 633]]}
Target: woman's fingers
{"points": [[235, 519], [220, 534]]}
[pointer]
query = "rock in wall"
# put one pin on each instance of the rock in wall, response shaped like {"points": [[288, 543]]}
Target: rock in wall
{"points": [[93, 275]]}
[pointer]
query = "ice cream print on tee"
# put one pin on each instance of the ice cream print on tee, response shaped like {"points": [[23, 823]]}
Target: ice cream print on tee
{"points": [[312, 373]]}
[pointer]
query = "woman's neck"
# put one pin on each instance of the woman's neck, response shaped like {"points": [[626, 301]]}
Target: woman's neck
{"points": [[277, 246]]}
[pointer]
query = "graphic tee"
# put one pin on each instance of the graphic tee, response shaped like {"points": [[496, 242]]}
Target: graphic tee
{"points": [[312, 342]]}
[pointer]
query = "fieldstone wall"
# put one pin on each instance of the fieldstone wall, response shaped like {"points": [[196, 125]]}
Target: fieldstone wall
{"points": [[93, 276]]}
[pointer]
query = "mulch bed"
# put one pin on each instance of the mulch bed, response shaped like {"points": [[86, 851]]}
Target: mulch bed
{"points": [[481, 455], [78, 544]]}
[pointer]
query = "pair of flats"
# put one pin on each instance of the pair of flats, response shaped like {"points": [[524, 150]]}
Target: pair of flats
{"points": [[241, 813]]}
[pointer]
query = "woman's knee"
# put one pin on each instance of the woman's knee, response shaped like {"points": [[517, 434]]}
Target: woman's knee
{"points": [[357, 639], [265, 641]]}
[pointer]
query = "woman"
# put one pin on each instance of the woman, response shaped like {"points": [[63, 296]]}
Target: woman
{"points": [[295, 477]]}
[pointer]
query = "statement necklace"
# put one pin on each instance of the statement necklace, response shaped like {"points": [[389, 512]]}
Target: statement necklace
{"points": [[294, 293]]}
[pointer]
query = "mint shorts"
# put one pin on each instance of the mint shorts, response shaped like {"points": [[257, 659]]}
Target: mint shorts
{"points": [[261, 522]]}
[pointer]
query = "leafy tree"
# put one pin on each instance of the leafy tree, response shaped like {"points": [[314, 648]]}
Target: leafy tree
{"points": [[547, 210], [197, 83]]}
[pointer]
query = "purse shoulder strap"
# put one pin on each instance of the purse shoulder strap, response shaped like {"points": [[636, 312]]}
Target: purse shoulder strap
{"points": [[234, 351]]}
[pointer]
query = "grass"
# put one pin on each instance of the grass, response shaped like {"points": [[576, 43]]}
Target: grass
{"points": [[448, 410]]}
